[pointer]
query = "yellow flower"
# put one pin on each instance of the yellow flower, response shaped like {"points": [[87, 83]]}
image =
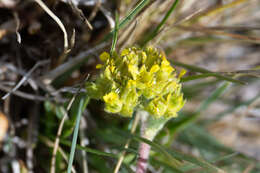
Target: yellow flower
{"points": [[138, 79], [104, 56], [113, 102]]}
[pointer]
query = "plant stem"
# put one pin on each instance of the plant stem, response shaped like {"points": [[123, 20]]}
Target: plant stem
{"points": [[150, 126], [144, 149], [142, 163]]}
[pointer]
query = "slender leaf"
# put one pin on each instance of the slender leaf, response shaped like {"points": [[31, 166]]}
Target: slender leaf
{"points": [[133, 13], [90, 150], [100, 165], [115, 33], [206, 73], [129, 17], [226, 157], [202, 140], [165, 165], [213, 97], [157, 29], [183, 121], [193, 90], [173, 155], [82, 104], [192, 68], [222, 114]]}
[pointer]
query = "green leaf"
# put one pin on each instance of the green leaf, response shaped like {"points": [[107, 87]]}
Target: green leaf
{"points": [[165, 165], [180, 123], [89, 150], [192, 68], [213, 97], [129, 17], [115, 33], [157, 29], [202, 140], [173, 155], [230, 110], [133, 13], [206, 73], [60, 111], [226, 157], [100, 164], [82, 105], [184, 120], [194, 90]]}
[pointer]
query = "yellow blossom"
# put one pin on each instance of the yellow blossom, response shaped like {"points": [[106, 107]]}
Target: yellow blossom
{"points": [[138, 79]]}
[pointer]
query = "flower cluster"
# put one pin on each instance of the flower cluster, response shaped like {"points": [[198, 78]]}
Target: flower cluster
{"points": [[138, 78]]}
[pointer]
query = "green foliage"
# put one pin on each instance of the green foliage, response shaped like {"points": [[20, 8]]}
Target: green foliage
{"points": [[173, 156], [54, 114]]}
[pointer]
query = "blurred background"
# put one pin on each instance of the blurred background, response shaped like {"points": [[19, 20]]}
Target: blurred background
{"points": [[44, 62]]}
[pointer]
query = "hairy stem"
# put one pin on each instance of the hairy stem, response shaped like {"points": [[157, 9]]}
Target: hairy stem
{"points": [[150, 126], [142, 163], [144, 149]]}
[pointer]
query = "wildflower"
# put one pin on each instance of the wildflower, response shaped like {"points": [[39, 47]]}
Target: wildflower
{"points": [[138, 79]]}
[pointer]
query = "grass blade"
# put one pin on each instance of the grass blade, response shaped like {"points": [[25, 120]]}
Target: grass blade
{"points": [[173, 155], [226, 112], [213, 97], [133, 13], [165, 165], [115, 33], [190, 67], [183, 121], [90, 150], [206, 73], [203, 140], [82, 104], [157, 29], [129, 17]]}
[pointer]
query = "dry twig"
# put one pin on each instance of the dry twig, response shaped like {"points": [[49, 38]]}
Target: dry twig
{"points": [[133, 129], [25, 77], [58, 21], [53, 74]]}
